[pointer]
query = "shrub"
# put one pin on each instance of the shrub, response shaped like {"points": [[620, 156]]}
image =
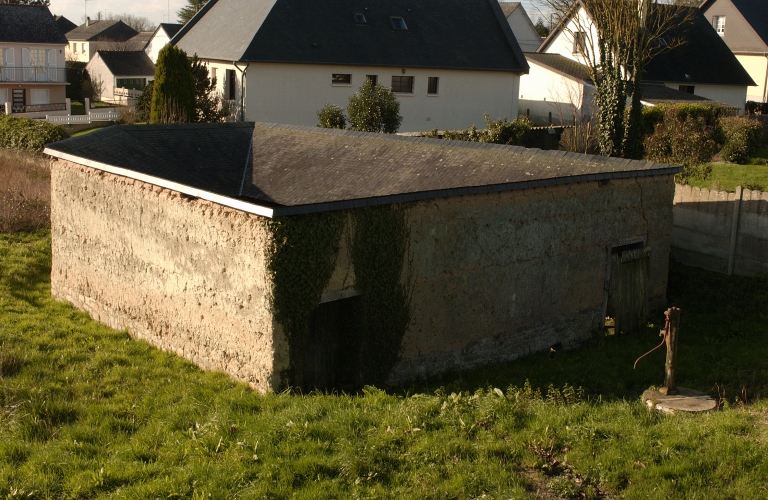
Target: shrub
{"points": [[331, 116], [374, 108], [144, 102], [28, 135], [743, 137], [709, 113], [208, 106], [515, 132], [683, 138], [173, 98], [756, 108]]}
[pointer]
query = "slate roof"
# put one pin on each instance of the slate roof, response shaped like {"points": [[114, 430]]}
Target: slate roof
{"points": [[29, 24], [170, 28], [704, 59], [109, 29], [140, 41], [64, 24], [121, 63], [448, 34], [307, 169], [561, 64], [755, 12], [508, 7], [655, 93]]}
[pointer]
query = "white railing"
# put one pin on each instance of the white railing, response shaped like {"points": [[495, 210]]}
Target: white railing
{"points": [[123, 92], [94, 116]]}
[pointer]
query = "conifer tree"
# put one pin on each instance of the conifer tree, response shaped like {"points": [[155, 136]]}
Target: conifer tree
{"points": [[173, 99]]}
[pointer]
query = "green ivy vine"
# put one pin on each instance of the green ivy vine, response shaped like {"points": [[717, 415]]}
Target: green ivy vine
{"points": [[301, 258], [378, 243]]}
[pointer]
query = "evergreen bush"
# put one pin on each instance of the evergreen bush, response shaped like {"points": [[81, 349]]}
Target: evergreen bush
{"points": [[28, 135], [173, 98], [374, 108], [515, 132], [743, 137], [144, 102], [331, 116]]}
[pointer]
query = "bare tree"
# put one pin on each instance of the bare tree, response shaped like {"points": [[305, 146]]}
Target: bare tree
{"points": [[139, 23], [615, 40]]}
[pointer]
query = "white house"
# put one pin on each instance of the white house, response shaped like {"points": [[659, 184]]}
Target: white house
{"points": [[743, 25], [32, 75], [703, 66], [556, 90], [96, 35], [525, 32], [449, 62], [121, 75], [160, 39]]}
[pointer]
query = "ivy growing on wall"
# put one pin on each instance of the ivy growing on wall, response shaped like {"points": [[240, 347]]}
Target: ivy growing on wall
{"points": [[378, 243], [301, 258]]}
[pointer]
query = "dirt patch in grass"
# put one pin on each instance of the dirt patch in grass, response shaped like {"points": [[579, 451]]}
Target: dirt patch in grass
{"points": [[25, 192]]}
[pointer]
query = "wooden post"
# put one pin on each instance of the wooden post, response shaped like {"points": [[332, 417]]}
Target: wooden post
{"points": [[673, 316], [734, 230]]}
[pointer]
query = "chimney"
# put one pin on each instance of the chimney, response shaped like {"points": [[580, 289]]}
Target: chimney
{"points": [[87, 21]]}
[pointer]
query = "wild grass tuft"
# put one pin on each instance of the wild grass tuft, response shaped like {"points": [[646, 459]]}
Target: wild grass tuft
{"points": [[25, 192], [86, 412]]}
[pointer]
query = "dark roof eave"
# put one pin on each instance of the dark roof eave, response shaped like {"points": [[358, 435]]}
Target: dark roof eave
{"points": [[518, 70]]}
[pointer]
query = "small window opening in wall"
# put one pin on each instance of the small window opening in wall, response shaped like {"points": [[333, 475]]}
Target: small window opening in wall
{"points": [[718, 22], [341, 79], [432, 85], [230, 84], [374, 79], [688, 89], [398, 23], [360, 18], [402, 84], [626, 290], [579, 42]]}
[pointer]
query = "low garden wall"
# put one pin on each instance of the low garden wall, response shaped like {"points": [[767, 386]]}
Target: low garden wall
{"points": [[721, 231]]}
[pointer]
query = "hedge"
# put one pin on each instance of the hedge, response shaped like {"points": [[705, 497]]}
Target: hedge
{"points": [[743, 137], [28, 135]]}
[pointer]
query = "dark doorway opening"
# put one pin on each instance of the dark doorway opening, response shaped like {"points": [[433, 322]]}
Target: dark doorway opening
{"points": [[627, 301], [332, 353]]}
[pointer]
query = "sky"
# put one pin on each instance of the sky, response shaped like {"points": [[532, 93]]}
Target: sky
{"points": [[157, 10]]}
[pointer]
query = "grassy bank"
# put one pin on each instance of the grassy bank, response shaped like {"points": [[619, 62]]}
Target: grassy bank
{"points": [[25, 191], [86, 412]]}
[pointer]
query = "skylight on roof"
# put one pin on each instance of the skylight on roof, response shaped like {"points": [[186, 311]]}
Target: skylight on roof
{"points": [[360, 18], [398, 23]]}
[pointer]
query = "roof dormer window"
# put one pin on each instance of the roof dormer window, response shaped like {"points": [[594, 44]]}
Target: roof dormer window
{"points": [[398, 23], [360, 18]]}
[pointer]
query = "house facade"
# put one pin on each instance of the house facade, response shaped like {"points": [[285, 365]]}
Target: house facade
{"points": [[32, 73], [94, 35], [743, 25], [279, 61], [703, 65], [525, 32], [121, 75], [160, 38], [164, 230]]}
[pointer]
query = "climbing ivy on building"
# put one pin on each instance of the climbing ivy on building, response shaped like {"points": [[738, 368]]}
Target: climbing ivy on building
{"points": [[301, 258], [378, 242]]}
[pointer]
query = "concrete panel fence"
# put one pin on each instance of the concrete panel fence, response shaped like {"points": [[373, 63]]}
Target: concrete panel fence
{"points": [[721, 231]]}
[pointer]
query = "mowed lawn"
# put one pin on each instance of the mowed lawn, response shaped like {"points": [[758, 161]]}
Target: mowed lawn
{"points": [[87, 412]]}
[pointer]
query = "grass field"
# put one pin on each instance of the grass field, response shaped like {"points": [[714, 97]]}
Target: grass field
{"points": [[86, 412], [727, 176]]}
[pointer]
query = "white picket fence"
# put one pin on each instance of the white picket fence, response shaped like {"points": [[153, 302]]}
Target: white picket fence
{"points": [[93, 116]]}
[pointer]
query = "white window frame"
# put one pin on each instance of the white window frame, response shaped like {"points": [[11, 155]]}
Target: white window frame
{"points": [[718, 22], [39, 96]]}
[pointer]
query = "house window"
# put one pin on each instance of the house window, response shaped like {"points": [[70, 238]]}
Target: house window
{"points": [[374, 79], [3, 96], [398, 23], [230, 84], [579, 39], [360, 18], [341, 79], [688, 89], [39, 96], [83, 48], [432, 85], [132, 83], [719, 23], [74, 47], [213, 73], [402, 84]]}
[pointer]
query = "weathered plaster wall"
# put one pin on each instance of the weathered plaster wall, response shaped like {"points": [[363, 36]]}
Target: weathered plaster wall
{"points": [[499, 276], [184, 274]]}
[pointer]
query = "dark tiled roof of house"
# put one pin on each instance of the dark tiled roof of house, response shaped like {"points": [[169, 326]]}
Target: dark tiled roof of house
{"points": [[140, 41], [460, 34], [170, 28], [703, 59], [306, 169], [133, 63], [655, 93], [756, 14], [560, 64], [107, 30], [64, 24], [29, 24], [508, 7]]}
